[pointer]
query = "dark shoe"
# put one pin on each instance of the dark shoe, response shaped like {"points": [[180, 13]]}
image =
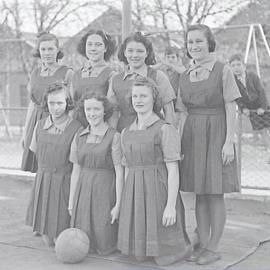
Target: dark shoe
{"points": [[208, 256], [197, 251]]}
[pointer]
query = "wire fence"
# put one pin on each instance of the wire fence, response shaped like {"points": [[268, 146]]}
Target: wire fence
{"points": [[253, 146]]}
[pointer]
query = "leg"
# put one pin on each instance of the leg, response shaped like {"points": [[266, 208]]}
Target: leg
{"points": [[48, 241], [203, 227], [217, 212], [203, 219], [266, 138]]}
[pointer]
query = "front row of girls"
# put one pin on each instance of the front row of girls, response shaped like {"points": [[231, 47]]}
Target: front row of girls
{"points": [[151, 211], [92, 194]]}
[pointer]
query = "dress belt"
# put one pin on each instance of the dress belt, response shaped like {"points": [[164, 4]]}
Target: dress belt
{"points": [[66, 168], [144, 167], [206, 111], [97, 169]]}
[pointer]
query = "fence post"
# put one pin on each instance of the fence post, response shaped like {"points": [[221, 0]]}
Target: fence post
{"points": [[239, 145]]}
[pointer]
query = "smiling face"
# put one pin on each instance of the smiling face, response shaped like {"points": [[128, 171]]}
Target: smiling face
{"points": [[95, 48], [48, 52], [238, 67], [197, 45], [142, 99], [57, 104], [94, 112], [136, 54]]}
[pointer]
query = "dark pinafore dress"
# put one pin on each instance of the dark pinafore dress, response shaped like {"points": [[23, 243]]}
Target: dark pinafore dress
{"points": [[204, 135], [144, 198], [95, 194], [51, 195], [99, 84], [122, 89], [38, 86]]}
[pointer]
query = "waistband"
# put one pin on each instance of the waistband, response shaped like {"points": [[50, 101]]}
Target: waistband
{"points": [[145, 167], [97, 169], [64, 169], [206, 111]]}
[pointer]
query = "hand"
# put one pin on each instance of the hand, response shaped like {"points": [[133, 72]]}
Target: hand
{"points": [[169, 216], [260, 111], [115, 213], [70, 211], [246, 112], [227, 153]]}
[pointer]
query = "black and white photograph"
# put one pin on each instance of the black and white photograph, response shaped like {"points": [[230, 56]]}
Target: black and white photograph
{"points": [[134, 134]]}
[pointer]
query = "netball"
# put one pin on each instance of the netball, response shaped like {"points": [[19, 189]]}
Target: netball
{"points": [[72, 246]]}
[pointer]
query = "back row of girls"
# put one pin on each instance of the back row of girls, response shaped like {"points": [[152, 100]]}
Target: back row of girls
{"points": [[151, 212]]}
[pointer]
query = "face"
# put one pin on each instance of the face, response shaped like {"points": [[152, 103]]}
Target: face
{"points": [[136, 54], [95, 48], [197, 45], [171, 58], [142, 99], [94, 111], [238, 67], [57, 104], [48, 52]]}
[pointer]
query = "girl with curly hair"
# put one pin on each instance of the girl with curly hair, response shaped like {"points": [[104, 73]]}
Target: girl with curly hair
{"points": [[97, 176], [51, 143], [97, 47]]}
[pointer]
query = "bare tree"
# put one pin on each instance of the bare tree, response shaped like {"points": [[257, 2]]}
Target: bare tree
{"points": [[47, 15], [186, 12]]}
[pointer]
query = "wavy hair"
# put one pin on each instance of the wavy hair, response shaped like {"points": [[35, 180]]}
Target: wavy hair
{"points": [[207, 33], [140, 38], [144, 81], [108, 41], [46, 36], [108, 107], [53, 88]]}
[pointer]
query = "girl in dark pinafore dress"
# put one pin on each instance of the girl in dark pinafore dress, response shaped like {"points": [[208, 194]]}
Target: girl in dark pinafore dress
{"points": [[48, 51], [138, 54], [51, 143], [209, 169], [151, 216], [97, 176], [97, 47]]}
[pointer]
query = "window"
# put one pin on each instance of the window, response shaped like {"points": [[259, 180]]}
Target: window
{"points": [[24, 98]]}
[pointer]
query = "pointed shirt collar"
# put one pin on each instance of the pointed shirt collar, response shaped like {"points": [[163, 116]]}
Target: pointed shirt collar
{"points": [[99, 133], [153, 118], [207, 64], [142, 72], [61, 126]]}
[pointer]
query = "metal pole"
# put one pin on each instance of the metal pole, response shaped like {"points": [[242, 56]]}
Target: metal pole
{"points": [[264, 39], [126, 18], [248, 43], [239, 144], [256, 53]]}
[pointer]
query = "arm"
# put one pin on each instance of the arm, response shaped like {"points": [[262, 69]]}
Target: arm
{"points": [[167, 95], [230, 95], [119, 187], [113, 120], [228, 149], [73, 185], [169, 214], [169, 113], [30, 110], [68, 80]]}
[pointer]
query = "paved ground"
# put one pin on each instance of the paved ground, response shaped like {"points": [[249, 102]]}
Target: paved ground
{"points": [[247, 227]]}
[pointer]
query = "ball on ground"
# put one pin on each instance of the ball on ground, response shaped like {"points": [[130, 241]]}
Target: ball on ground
{"points": [[72, 245]]}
